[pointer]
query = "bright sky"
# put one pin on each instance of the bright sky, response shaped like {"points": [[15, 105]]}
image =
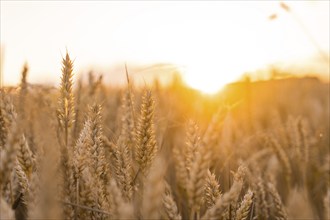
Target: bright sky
{"points": [[212, 41]]}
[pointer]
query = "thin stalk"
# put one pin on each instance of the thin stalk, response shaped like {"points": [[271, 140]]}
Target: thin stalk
{"points": [[86, 208], [77, 199]]}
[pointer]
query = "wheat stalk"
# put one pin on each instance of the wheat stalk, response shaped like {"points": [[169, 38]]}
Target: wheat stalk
{"points": [[65, 117], [33, 197], [282, 156], [326, 204], [119, 208], [5, 210], [153, 190]]}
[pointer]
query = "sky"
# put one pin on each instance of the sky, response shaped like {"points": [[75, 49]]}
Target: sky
{"points": [[212, 42]]}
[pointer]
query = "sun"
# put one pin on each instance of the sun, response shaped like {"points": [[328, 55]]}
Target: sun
{"points": [[210, 78]]}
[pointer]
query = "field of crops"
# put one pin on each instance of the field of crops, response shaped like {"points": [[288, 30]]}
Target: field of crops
{"points": [[257, 150]]}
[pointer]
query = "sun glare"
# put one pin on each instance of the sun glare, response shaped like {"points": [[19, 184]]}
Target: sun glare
{"points": [[207, 79], [210, 75]]}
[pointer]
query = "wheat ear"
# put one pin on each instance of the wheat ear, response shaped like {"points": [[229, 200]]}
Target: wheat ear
{"points": [[25, 156], [277, 205], [65, 111], [212, 190], [8, 153], [197, 174], [23, 91], [193, 143], [169, 205], [243, 211], [98, 168], [127, 133], [123, 169], [3, 130], [225, 200], [97, 149], [146, 146]]}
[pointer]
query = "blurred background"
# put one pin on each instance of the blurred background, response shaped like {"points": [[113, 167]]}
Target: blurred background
{"points": [[209, 43]]}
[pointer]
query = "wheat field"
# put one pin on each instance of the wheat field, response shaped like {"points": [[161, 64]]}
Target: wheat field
{"points": [[258, 150]]}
